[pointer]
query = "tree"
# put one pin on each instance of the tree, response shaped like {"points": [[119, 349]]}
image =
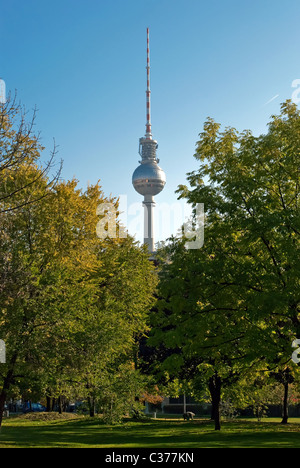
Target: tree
{"points": [[24, 182], [254, 184], [71, 304], [20, 148], [233, 306], [71, 315], [44, 261], [45, 264], [199, 326], [125, 282]]}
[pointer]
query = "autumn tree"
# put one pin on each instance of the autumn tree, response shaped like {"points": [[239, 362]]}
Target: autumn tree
{"points": [[125, 281], [24, 182], [70, 303], [20, 148]]}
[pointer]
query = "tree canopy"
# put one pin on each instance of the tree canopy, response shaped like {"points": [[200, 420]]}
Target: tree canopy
{"points": [[71, 304], [231, 308]]}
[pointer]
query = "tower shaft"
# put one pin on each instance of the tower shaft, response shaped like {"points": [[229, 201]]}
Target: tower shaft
{"points": [[149, 204]]}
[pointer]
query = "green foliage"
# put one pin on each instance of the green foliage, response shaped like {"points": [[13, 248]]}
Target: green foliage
{"points": [[231, 310], [71, 305]]}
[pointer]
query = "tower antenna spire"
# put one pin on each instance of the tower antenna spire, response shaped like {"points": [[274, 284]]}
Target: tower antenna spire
{"points": [[148, 93]]}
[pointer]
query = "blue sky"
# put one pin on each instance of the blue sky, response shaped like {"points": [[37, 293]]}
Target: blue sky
{"points": [[82, 64]]}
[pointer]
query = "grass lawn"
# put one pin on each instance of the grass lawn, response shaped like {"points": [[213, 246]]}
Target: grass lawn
{"points": [[37, 431]]}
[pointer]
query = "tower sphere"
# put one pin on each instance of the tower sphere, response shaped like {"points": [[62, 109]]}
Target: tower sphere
{"points": [[149, 178]]}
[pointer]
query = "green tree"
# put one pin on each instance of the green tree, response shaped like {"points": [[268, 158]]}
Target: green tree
{"points": [[233, 306], [199, 325], [72, 305], [46, 266], [49, 252], [125, 281]]}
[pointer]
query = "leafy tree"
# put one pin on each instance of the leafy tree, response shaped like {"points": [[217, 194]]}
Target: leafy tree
{"points": [[20, 148], [196, 320], [232, 307], [125, 282], [69, 302], [45, 265]]}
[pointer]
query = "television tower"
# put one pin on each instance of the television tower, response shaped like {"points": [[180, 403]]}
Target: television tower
{"points": [[148, 179]]}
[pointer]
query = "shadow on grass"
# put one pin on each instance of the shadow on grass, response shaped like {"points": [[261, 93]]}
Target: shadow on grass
{"points": [[88, 433]]}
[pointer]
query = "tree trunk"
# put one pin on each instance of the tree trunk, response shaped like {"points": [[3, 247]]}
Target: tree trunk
{"points": [[6, 385], [53, 404], [60, 405], [285, 412], [215, 393], [91, 403], [2, 403], [48, 405]]}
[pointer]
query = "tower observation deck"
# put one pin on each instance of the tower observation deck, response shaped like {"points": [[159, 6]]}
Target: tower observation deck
{"points": [[148, 179]]}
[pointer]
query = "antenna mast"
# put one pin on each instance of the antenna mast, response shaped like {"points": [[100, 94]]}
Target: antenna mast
{"points": [[148, 93]]}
